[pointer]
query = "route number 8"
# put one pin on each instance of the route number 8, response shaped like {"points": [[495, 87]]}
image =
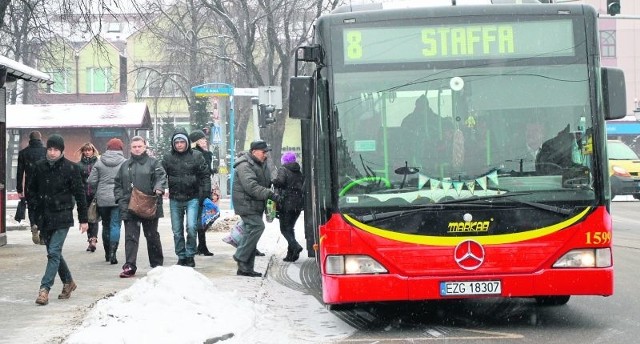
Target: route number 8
{"points": [[354, 47]]}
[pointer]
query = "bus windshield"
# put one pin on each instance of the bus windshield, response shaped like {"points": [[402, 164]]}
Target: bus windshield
{"points": [[476, 129]]}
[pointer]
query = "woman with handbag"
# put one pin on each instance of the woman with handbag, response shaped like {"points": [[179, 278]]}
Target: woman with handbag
{"points": [[89, 156], [140, 175], [101, 180]]}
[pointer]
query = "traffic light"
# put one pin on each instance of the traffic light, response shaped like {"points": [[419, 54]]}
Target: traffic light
{"points": [[266, 115], [613, 7]]}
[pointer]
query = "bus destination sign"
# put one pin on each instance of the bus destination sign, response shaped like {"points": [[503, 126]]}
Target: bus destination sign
{"points": [[458, 42]]}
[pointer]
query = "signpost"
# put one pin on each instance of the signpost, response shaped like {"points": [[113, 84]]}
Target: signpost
{"points": [[216, 132]]}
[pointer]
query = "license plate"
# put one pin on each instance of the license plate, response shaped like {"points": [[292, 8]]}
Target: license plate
{"points": [[470, 288]]}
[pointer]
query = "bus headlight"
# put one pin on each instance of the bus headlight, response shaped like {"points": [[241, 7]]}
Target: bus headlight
{"points": [[352, 264], [585, 258]]}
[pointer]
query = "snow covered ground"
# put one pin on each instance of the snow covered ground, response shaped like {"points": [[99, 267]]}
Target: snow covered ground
{"points": [[175, 304]]}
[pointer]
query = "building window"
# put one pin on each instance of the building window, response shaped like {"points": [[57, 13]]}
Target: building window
{"points": [[152, 84], [60, 78], [113, 27], [99, 80], [608, 43]]}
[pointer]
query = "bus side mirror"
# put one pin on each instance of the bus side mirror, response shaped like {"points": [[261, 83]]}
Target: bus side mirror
{"points": [[301, 97], [614, 93]]}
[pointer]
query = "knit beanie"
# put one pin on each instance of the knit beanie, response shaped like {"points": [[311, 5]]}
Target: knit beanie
{"points": [[178, 137], [115, 144], [55, 141], [288, 157], [196, 135]]}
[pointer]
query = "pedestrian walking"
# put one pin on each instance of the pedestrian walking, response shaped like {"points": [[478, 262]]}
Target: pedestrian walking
{"points": [[200, 144], [27, 158], [147, 175], [102, 180], [89, 156], [55, 184], [189, 181], [289, 183], [251, 189]]}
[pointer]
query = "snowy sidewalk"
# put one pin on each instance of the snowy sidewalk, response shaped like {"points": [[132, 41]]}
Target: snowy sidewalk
{"points": [[170, 303]]}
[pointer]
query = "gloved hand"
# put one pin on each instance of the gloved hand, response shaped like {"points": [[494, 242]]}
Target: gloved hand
{"points": [[276, 198]]}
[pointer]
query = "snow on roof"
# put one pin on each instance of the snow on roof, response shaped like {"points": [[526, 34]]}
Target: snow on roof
{"points": [[19, 71], [127, 115]]}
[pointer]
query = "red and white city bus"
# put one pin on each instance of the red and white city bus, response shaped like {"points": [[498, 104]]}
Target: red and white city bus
{"points": [[458, 151]]}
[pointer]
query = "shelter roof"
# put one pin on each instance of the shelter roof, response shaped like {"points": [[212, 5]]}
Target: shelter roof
{"points": [[17, 70], [126, 115]]}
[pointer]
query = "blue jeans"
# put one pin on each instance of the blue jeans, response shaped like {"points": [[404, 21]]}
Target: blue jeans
{"points": [[178, 209], [114, 225], [55, 263]]}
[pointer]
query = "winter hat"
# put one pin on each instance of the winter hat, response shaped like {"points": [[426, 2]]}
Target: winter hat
{"points": [[115, 144], [196, 135], [259, 145], [55, 141], [288, 157], [178, 137]]}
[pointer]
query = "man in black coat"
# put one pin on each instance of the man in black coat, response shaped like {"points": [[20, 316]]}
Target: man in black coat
{"points": [[54, 185], [27, 159], [189, 182]]}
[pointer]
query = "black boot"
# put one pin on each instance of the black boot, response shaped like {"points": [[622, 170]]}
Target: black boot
{"points": [[112, 253], [287, 258], [202, 244], [296, 254], [107, 250]]}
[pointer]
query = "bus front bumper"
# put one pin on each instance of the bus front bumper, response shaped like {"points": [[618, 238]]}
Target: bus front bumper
{"points": [[339, 289]]}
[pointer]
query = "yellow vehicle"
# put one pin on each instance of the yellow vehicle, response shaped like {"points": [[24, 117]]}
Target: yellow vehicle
{"points": [[624, 169]]}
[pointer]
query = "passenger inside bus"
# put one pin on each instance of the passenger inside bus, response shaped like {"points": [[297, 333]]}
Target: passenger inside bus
{"points": [[427, 135]]}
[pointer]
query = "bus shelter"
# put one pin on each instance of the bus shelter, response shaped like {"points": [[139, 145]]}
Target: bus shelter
{"points": [[10, 71]]}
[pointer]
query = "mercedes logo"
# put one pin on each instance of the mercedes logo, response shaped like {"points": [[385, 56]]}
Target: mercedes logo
{"points": [[469, 255]]}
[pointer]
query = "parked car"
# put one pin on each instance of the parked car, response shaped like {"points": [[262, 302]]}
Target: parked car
{"points": [[624, 169]]}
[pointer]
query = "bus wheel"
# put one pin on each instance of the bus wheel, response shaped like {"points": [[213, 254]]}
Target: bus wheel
{"points": [[552, 300]]}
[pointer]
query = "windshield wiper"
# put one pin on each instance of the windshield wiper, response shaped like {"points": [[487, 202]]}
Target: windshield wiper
{"points": [[374, 216], [538, 205]]}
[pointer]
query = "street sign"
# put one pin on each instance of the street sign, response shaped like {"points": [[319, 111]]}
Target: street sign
{"points": [[247, 92], [216, 136], [213, 89], [270, 95]]}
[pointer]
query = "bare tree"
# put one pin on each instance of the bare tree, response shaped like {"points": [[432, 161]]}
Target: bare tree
{"points": [[265, 34]]}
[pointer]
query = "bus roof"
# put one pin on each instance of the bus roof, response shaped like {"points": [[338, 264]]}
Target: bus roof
{"points": [[422, 3]]}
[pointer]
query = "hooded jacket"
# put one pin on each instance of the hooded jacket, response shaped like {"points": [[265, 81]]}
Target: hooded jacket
{"points": [[251, 185], [102, 177], [289, 183], [188, 175]]}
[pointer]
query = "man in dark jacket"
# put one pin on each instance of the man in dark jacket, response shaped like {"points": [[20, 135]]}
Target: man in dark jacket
{"points": [[147, 175], [54, 185], [27, 159], [251, 189], [200, 144], [189, 181]]}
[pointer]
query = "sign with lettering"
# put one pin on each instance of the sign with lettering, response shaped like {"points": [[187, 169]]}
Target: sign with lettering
{"points": [[458, 42]]}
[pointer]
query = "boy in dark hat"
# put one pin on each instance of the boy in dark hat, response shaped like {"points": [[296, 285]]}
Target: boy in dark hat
{"points": [[55, 184]]}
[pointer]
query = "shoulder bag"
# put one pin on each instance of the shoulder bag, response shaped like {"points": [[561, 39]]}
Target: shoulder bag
{"points": [[140, 204], [92, 211]]}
